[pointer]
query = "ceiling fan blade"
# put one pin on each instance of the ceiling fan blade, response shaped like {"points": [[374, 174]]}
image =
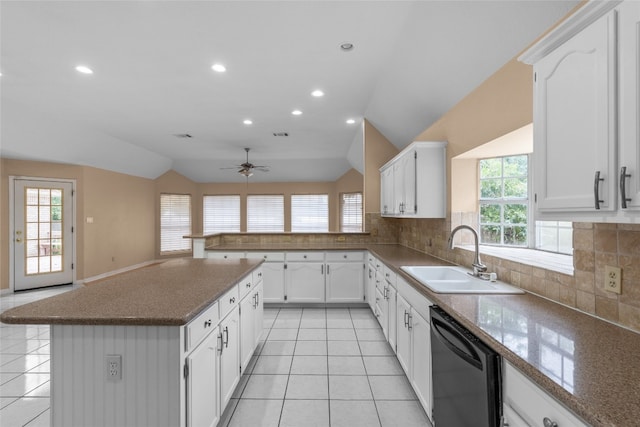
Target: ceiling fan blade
{"points": [[261, 168], [233, 167]]}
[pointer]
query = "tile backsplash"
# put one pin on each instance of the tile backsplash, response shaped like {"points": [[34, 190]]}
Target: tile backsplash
{"points": [[595, 246]]}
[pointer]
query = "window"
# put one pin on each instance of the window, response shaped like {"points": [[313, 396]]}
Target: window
{"points": [[175, 222], [221, 214], [265, 213], [309, 213], [351, 212], [504, 202], [554, 236]]}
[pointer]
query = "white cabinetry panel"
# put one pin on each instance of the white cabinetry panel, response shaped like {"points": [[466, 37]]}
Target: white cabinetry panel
{"points": [[202, 395]]}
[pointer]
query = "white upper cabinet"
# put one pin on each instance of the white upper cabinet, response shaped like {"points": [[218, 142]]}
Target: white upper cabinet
{"points": [[413, 183], [585, 120], [629, 130]]}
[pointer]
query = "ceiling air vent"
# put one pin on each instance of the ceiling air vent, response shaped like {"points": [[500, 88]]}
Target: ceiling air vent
{"points": [[280, 134]]}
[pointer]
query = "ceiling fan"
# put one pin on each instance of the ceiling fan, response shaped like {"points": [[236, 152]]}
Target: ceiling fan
{"points": [[246, 169]]}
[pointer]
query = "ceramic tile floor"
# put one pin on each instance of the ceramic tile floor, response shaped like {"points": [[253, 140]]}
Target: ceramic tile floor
{"points": [[323, 367], [315, 367]]}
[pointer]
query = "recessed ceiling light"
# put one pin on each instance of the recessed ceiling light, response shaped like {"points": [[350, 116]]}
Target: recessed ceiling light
{"points": [[218, 68], [350, 121], [296, 112], [317, 93], [346, 47], [84, 69], [247, 122]]}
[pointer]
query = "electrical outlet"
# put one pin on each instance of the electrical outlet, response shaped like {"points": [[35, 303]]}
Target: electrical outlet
{"points": [[114, 367], [612, 279], [341, 238]]}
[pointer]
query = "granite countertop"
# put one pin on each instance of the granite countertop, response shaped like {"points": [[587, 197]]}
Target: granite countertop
{"points": [[589, 365], [170, 293]]}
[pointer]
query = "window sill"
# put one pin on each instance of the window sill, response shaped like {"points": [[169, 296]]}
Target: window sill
{"points": [[547, 260]]}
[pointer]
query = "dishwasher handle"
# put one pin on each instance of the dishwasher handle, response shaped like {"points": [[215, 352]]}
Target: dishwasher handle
{"points": [[470, 355]]}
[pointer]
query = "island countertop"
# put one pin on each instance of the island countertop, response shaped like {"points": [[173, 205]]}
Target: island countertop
{"points": [[166, 294]]}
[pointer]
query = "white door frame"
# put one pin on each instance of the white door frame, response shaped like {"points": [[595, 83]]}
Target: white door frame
{"points": [[12, 179]]}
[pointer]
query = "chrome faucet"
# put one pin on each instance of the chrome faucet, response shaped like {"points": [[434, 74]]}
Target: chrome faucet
{"points": [[478, 267]]}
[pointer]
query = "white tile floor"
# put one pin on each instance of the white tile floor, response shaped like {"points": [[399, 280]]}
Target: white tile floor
{"points": [[316, 367]]}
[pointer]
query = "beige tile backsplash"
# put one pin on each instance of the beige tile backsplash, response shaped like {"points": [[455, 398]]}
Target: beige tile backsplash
{"points": [[595, 246]]}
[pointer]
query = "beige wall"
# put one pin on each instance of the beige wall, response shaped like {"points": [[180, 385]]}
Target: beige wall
{"points": [[377, 151], [121, 206]]}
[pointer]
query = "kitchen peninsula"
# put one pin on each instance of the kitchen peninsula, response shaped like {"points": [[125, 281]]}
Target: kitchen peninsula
{"points": [[147, 347]]}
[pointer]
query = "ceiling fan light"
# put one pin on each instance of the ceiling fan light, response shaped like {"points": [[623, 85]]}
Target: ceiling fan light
{"points": [[245, 172]]}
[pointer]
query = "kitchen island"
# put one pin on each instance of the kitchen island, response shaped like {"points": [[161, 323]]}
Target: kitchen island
{"points": [[145, 348]]}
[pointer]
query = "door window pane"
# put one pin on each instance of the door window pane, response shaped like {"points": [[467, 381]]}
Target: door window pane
{"points": [[43, 221]]}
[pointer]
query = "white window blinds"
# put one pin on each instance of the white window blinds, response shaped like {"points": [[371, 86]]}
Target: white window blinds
{"points": [[175, 222], [351, 212], [221, 214], [265, 213], [310, 213]]}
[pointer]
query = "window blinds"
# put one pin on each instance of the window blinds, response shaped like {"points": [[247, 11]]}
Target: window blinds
{"points": [[265, 213], [310, 213], [221, 214], [351, 213], [175, 222]]}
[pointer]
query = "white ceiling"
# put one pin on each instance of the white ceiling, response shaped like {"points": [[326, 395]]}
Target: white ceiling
{"points": [[412, 61]]}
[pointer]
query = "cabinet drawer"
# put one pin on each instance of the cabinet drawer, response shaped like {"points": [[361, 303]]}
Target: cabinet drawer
{"points": [[224, 255], [229, 300], [200, 327], [305, 256], [380, 284], [245, 285], [532, 403], [389, 275], [372, 259], [345, 256], [257, 275], [267, 256]]}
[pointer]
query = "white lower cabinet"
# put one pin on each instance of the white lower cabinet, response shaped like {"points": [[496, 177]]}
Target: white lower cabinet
{"points": [[304, 282], [345, 282], [526, 404], [414, 342], [272, 275], [229, 331], [203, 406]]}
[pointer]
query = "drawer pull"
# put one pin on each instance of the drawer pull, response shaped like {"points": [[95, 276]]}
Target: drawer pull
{"points": [[344, 256], [304, 256], [548, 423], [232, 300], [259, 274], [207, 323], [248, 285]]}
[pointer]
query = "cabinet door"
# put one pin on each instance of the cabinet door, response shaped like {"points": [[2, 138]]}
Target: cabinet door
{"points": [[202, 384], [629, 136], [371, 287], [229, 357], [403, 337], [391, 316], [247, 329], [421, 360], [574, 122], [273, 280], [345, 282], [258, 314], [408, 177], [398, 187], [387, 203], [304, 282]]}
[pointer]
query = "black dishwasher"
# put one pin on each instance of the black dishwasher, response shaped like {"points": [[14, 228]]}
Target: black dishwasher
{"points": [[466, 376]]}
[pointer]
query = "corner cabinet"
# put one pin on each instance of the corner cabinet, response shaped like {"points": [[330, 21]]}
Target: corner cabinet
{"points": [[413, 183], [586, 115]]}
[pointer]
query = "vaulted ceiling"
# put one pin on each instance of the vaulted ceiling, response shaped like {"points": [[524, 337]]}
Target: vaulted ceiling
{"points": [[152, 79]]}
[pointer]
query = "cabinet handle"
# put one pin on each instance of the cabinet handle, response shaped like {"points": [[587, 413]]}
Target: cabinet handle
{"points": [[248, 285], [386, 290], [548, 423], [623, 187], [406, 319], [221, 343], [596, 190], [328, 268], [344, 256], [226, 334], [207, 323], [257, 299], [322, 269], [409, 325], [304, 256], [232, 300]]}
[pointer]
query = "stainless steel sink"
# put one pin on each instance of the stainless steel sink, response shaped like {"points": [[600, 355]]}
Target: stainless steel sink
{"points": [[456, 280]]}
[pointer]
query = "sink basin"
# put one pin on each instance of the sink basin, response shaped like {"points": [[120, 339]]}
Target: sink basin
{"points": [[456, 280]]}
